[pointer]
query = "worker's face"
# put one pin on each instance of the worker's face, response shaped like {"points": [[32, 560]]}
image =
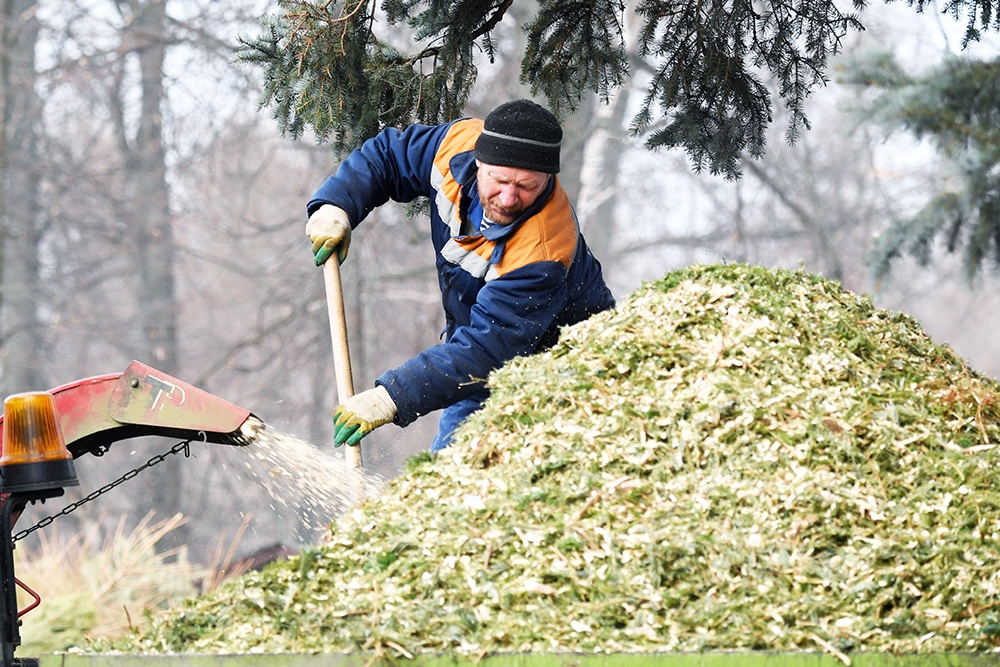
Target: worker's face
{"points": [[507, 192]]}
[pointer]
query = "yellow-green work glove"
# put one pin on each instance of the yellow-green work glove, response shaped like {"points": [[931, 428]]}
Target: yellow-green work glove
{"points": [[329, 230], [361, 414]]}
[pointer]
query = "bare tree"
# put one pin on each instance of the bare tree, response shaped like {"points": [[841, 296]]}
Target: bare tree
{"points": [[104, 243], [144, 39]]}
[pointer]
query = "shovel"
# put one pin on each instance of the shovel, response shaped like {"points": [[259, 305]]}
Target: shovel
{"points": [[341, 352]]}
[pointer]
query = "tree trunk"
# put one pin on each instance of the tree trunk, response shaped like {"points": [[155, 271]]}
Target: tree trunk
{"points": [[23, 334], [599, 177], [147, 201], [5, 36], [601, 164]]}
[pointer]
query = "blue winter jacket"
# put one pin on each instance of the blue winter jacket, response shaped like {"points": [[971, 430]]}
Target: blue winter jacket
{"points": [[506, 291]]}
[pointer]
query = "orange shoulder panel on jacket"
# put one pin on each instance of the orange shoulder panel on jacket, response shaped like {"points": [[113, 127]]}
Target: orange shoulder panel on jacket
{"points": [[548, 236], [460, 137]]}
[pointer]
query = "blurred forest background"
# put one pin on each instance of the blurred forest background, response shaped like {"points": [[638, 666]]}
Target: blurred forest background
{"points": [[151, 211]]}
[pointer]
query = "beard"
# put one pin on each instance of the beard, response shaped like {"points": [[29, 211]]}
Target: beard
{"points": [[495, 212]]}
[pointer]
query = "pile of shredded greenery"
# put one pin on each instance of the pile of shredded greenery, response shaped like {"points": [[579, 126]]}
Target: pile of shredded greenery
{"points": [[736, 458]]}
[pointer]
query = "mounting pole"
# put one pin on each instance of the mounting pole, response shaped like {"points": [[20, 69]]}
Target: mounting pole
{"points": [[11, 632], [10, 625]]}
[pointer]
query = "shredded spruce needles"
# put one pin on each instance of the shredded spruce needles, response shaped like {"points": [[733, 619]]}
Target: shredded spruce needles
{"points": [[736, 458]]}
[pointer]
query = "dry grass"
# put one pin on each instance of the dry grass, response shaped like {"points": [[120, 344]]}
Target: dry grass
{"points": [[98, 587]]}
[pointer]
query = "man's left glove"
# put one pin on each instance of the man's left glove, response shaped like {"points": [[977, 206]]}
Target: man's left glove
{"points": [[361, 414]]}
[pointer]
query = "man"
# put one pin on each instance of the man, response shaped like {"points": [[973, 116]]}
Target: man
{"points": [[512, 265]]}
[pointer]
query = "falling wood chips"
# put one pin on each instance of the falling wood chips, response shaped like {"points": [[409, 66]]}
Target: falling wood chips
{"points": [[734, 458]]}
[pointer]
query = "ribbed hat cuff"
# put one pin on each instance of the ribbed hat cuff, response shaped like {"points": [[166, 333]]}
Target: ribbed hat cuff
{"points": [[517, 152]]}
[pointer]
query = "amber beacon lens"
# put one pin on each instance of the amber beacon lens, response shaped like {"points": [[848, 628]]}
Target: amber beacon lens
{"points": [[34, 456]]}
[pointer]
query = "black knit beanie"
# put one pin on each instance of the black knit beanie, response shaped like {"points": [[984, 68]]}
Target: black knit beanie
{"points": [[523, 135]]}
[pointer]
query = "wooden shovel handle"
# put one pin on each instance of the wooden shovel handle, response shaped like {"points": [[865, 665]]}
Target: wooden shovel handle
{"points": [[341, 352]]}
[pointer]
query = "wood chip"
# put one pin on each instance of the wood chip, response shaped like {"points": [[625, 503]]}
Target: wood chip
{"points": [[736, 458]]}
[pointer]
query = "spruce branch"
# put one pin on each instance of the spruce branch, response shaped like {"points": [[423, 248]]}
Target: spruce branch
{"points": [[956, 106], [493, 20], [716, 64]]}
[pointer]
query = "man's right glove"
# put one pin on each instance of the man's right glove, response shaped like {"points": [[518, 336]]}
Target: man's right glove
{"points": [[329, 229], [361, 414]]}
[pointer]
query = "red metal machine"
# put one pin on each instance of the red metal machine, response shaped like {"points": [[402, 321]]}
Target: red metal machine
{"points": [[92, 414], [98, 411]]}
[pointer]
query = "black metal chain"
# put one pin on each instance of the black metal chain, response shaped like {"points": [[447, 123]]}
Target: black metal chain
{"points": [[183, 446]]}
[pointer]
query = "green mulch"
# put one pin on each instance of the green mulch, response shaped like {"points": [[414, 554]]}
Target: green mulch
{"points": [[734, 458]]}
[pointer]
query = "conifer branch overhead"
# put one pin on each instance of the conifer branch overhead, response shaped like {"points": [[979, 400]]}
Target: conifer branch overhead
{"points": [[493, 20], [327, 69]]}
